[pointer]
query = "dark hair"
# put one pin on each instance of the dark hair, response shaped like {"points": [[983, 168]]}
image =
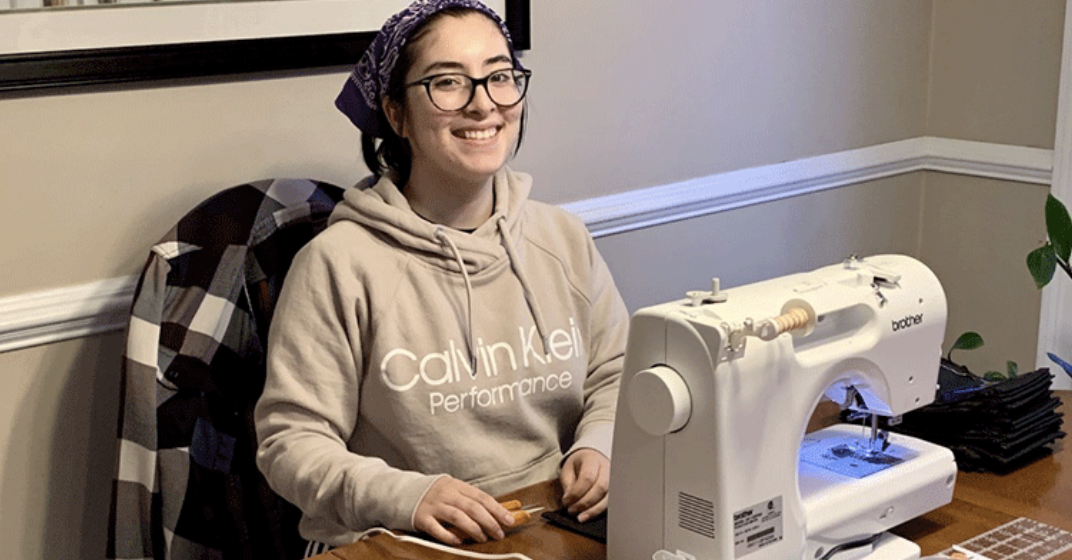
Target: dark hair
{"points": [[393, 154]]}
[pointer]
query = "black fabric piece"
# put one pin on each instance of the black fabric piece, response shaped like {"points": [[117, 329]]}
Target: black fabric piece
{"points": [[595, 528]]}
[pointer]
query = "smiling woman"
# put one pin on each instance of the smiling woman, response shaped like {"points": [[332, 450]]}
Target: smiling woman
{"points": [[471, 339]]}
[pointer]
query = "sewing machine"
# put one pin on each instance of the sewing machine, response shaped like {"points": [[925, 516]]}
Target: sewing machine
{"points": [[711, 460]]}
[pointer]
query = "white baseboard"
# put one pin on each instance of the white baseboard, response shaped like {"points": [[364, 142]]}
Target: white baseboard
{"points": [[54, 315]]}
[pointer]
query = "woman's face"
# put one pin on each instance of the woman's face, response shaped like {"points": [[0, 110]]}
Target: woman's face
{"points": [[473, 143]]}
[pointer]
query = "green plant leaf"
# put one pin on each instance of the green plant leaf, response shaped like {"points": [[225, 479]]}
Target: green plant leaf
{"points": [[1042, 263], [1059, 227], [993, 376], [967, 341], [1012, 369]]}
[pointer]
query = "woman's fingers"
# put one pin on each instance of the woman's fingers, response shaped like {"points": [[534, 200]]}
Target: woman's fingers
{"points": [[585, 479], [598, 508], [437, 531], [594, 483], [452, 511]]}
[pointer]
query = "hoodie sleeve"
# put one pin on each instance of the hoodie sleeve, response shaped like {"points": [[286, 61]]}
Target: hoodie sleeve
{"points": [[309, 409], [608, 330]]}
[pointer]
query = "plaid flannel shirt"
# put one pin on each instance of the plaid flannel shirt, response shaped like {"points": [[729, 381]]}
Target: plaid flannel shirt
{"points": [[186, 483]]}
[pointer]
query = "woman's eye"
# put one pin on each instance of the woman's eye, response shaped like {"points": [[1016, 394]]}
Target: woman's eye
{"points": [[448, 82], [504, 78]]}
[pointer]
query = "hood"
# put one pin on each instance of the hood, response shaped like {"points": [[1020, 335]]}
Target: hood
{"points": [[378, 204]]}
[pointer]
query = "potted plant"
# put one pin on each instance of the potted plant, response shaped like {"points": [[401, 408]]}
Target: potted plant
{"points": [[970, 341], [1055, 252]]}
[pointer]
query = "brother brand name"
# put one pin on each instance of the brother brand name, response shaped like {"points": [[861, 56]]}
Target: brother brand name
{"points": [[909, 321]]}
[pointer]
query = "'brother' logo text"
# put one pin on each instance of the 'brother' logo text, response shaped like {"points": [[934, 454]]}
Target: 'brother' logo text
{"points": [[909, 321]]}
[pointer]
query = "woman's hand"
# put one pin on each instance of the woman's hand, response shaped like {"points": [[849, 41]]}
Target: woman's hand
{"points": [[585, 478], [452, 510]]}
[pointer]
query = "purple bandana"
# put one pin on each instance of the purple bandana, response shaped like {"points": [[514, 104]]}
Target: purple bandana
{"points": [[361, 94]]}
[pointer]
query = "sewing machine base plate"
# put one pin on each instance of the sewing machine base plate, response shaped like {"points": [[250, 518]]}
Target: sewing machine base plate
{"points": [[847, 496]]}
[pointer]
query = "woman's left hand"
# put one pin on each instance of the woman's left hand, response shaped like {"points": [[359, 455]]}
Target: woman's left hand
{"points": [[585, 478]]}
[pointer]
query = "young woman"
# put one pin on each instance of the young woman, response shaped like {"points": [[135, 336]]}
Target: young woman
{"points": [[445, 339]]}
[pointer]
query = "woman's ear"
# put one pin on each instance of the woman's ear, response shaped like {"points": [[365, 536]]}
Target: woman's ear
{"points": [[395, 116]]}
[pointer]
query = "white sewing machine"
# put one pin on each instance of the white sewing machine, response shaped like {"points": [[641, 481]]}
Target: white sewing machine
{"points": [[711, 460]]}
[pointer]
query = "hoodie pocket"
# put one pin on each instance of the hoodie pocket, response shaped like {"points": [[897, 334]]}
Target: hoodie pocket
{"points": [[538, 470]]}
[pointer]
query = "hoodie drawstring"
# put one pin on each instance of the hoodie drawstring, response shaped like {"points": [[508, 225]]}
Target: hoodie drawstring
{"points": [[526, 288], [444, 238], [530, 298]]}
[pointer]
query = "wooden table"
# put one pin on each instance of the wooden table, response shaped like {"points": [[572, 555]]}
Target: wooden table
{"points": [[1041, 491]]}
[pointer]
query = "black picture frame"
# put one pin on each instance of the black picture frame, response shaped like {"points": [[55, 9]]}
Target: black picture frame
{"points": [[219, 59]]}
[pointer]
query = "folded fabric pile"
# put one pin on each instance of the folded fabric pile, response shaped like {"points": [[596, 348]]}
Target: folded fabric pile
{"points": [[993, 426]]}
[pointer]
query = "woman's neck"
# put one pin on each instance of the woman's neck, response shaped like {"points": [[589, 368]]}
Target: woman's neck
{"points": [[455, 204]]}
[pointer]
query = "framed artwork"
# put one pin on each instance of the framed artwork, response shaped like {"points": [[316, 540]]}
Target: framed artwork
{"points": [[62, 43]]}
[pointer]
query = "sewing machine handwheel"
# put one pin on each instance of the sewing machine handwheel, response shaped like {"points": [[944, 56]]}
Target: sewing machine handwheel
{"points": [[659, 400]]}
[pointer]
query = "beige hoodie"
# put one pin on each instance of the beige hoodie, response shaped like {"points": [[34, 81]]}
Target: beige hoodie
{"points": [[371, 391]]}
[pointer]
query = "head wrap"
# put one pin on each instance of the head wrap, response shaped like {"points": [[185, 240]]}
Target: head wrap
{"points": [[362, 94]]}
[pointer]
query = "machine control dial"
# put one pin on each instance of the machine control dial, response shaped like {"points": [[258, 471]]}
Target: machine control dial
{"points": [[659, 400]]}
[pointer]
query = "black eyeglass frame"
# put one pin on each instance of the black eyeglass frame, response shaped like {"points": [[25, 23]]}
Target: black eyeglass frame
{"points": [[427, 83]]}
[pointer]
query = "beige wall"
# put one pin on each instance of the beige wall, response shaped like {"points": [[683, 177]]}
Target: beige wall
{"points": [[622, 98], [995, 70], [92, 179], [766, 240], [57, 442], [626, 95], [629, 95], [976, 236]]}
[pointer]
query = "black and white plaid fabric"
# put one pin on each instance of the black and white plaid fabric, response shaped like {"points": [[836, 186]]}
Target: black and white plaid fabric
{"points": [[316, 548], [186, 484]]}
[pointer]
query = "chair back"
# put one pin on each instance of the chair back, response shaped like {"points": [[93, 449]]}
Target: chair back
{"points": [[186, 484]]}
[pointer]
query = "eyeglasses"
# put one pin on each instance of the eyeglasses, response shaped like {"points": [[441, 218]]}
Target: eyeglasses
{"points": [[454, 92]]}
